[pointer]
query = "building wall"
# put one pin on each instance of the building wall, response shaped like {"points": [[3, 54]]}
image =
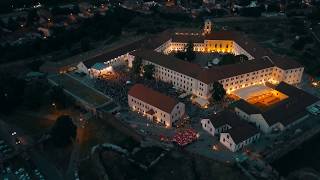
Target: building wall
{"points": [[160, 116], [82, 68], [142, 107], [207, 126], [120, 60], [221, 46], [257, 119], [177, 112], [165, 47], [226, 140], [245, 80], [230, 84], [237, 50]]}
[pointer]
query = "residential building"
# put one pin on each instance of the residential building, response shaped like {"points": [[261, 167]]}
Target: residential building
{"points": [[280, 115], [234, 132], [237, 138], [154, 105]]}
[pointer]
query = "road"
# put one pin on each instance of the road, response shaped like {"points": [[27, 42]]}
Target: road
{"points": [[74, 159]]}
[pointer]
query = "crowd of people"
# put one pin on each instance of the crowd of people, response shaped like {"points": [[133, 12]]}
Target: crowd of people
{"points": [[118, 82], [116, 87]]}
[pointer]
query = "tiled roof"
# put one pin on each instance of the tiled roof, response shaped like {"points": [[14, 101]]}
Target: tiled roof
{"points": [[195, 71], [150, 42], [169, 62], [240, 129], [152, 97], [223, 118], [284, 62], [243, 132], [112, 54], [220, 72], [187, 38]]}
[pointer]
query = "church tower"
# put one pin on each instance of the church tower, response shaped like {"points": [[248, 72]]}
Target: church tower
{"points": [[208, 27]]}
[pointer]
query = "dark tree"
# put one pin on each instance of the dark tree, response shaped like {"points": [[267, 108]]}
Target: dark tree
{"points": [[136, 65], [148, 71], [11, 92], [63, 132], [241, 58], [250, 12], [180, 55], [228, 59], [35, 65], [218, 92], [35, 94], [85, 44], [190, 54], [58, 97], [12, 24], [32, 17]]}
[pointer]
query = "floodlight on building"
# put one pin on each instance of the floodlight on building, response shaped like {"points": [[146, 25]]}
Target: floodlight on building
{"points": [[198, 135], [214, 147]]}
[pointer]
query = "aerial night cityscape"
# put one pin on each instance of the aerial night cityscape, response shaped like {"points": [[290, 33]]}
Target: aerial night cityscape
{"points": [[159, 90]]}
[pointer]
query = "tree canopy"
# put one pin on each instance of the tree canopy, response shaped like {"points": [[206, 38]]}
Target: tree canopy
{"points": [[11, 92], [35, 94], [218, 92], [136, 65], [232, 59], [190, 54], [148, 71], [63, 131]]}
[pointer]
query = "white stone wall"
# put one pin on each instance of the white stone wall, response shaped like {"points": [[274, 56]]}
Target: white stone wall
{"points": [[237, 50], [161, 116], [177, 112], [207, 126], [226, 140], [142, 107], [257, 119], [82, 68], [245, 80]]}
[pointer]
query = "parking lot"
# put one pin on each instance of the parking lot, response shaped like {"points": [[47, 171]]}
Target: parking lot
{"points": [[21, 170]]}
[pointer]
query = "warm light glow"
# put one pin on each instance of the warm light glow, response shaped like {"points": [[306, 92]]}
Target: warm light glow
{"points": [[214, 147], [110, 69]]}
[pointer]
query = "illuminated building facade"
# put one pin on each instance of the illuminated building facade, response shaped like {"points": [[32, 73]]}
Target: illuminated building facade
{"points": [[154, 105], [262, 65]]}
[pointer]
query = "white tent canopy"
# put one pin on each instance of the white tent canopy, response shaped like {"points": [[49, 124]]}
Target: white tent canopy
{"points": [[251, 91]]}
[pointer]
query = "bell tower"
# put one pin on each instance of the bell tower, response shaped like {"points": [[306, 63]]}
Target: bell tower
{"points": [[208, 26]]}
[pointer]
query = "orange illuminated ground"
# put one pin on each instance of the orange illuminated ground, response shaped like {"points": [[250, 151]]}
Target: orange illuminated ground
{"points": [[267, 99]]}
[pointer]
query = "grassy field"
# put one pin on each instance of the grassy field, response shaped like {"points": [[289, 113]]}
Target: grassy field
{"points": [[99, 131], [80, 90]]}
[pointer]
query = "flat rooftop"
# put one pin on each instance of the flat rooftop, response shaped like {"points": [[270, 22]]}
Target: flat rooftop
{"points": [[80, 90]]}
